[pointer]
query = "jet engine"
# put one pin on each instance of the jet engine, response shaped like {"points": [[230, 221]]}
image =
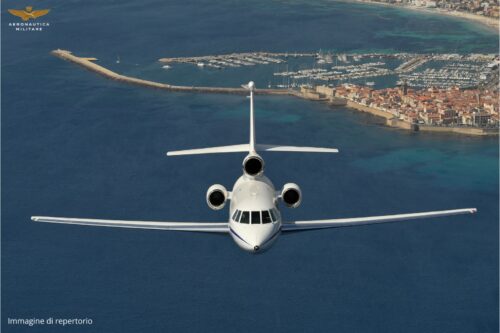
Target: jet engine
{"points": [[291, 195], [253, 165], [216, 196]]}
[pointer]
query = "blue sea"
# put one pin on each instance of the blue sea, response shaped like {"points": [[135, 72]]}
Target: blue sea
{"points": [[75, 144]]}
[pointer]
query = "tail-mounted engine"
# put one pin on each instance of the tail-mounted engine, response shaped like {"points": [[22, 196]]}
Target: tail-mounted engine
{"points": [[253, 165], [216, 196], [291, 195]]}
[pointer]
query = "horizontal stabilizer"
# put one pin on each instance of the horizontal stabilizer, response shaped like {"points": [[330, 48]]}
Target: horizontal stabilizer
{"points": [[347, 222], [176, 226], [296, 149], [212, 150], [246, 148]]}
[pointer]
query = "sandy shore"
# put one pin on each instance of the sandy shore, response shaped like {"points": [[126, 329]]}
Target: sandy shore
{"points": [[489, 22]]}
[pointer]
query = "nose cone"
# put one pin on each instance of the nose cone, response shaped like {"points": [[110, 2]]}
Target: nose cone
{"points": [[263, 237], [255, 238]]}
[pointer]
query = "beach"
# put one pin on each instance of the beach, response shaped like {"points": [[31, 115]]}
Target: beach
{"points": [[490, 22]]}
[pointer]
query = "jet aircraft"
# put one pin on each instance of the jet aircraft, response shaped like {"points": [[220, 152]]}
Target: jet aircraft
{"points": [[255, 221]]}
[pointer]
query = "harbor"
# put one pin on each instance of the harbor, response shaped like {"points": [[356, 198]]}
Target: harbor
{"points": [[235, 60], [293, 70], [89, 64], [447, 109]]}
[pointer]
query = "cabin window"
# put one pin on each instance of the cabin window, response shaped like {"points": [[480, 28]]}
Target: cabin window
{"points": [[245, 217], [255, 217], [266, 217]]}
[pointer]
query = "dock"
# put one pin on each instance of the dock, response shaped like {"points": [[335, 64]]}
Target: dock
{"points": [[222, 61], [88, 63]]}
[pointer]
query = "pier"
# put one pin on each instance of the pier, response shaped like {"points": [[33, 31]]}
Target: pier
{"points": [[89, 64], [222, 61]]}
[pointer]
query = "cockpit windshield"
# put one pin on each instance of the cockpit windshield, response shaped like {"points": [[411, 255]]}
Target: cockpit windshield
{"points": [[255, 217], [245, 217], [266, 217]]}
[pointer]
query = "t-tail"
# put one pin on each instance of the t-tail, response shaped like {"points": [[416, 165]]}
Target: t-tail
{"points": [[253, 161]]}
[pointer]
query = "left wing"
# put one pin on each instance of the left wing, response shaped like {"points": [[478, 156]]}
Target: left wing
{"points": [[347, 222], [177, 226]]}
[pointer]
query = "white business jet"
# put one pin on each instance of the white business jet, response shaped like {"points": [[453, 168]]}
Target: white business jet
{"points": [[254, 218]]}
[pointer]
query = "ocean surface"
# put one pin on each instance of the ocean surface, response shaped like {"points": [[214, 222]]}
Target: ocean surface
{"points": [[75, 144]]}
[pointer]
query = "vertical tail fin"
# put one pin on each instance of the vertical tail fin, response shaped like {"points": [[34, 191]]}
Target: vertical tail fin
{"points": [[251, 147], [251, 86]]}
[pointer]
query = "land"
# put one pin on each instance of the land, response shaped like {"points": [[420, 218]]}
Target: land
{"points": [[450, 110], [454, 110], [485, 12]]}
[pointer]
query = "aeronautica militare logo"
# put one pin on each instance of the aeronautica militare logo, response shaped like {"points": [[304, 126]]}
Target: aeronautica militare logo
{"points": [[29, 19]]}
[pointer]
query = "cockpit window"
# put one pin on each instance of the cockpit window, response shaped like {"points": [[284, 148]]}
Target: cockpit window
{"points": [[245, 217], [273, 215], [255, 217], [266, 217], [236, 215]]}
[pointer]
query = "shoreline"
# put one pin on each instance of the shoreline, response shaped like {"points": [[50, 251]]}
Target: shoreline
{"points": [[489, 22], [88, 63], [392, 121]]}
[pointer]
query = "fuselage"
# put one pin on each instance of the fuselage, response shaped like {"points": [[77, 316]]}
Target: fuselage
{"points": [[254, 219]]}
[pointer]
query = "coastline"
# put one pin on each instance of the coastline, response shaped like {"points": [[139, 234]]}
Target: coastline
{"points": [[489, 22], [391, 121]]}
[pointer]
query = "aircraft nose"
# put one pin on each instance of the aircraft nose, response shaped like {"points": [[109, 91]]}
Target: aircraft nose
{"points": [[256, 248]]}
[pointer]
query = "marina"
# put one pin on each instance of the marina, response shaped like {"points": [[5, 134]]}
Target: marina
{"points": [[293, 70], [237, 59], [443, 107], [90, 65]]}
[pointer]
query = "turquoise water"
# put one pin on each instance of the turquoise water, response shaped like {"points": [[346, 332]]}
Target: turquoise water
{"points": [[75, 144]]}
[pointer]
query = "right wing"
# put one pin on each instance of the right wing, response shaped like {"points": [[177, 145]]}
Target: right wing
{"points": [[177, 226], [347, 222]]}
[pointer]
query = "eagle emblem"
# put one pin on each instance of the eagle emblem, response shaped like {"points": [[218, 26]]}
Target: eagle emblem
{"points": [[28, 13]]}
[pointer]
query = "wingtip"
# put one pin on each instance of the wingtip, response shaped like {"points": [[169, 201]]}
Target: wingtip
{"points": [[34, 218], [473, 210]]}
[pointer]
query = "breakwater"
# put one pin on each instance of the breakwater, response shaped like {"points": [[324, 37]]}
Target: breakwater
{"points": [[89, 64]]}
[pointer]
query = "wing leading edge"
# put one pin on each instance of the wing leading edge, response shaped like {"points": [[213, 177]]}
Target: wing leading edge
{"points": [[175, 226], [347, 222]]}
